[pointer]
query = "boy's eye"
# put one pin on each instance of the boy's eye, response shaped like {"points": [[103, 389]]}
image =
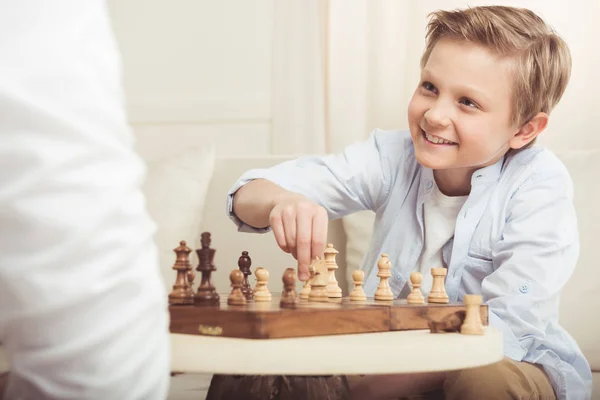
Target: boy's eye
{"points": [[429, 87], [468, 102]]}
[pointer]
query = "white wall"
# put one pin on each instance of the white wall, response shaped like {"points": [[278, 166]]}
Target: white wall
{"points": [[198, 71]]}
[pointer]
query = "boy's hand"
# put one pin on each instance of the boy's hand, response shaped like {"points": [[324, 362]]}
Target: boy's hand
{"points": [[300, 228]]}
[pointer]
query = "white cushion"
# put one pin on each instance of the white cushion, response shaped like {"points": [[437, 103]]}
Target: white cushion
{"points": [[580, 300], [176, 189]]}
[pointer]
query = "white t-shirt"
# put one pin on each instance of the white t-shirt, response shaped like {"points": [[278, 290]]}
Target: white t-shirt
{"points": [[439, 216], [83, 310]]}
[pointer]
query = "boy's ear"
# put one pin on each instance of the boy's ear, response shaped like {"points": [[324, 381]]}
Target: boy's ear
{"points": [[529, 131]]}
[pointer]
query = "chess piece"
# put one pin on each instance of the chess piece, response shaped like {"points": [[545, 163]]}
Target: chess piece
{"points": [[333, 289], [244, 263], [358, 294], [288, 297], [206, 293], [236, 297], [306, 289], [472, 324], [261, 292], [384, 293], [415, 296], [318, 283], [191, 275], [438, 290], [182, 294]]}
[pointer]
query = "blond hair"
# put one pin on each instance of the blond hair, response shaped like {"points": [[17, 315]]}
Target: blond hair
{"points": [[542, 61]]}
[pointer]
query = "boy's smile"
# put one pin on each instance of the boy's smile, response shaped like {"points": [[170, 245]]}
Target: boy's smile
{"points": [[460, 114]]}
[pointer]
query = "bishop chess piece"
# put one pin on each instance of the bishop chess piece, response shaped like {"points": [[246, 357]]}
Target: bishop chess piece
{"points": [[415, 296], [289, 297], [236, 297], [384, 293], [358, 293], [206, 293], [472, 324], [261, 292], [333, 289], [182, 294], [244, 263], [438, 289]]}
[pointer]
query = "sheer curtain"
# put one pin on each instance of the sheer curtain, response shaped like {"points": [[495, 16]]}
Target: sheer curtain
{"points": [[342, 68]]}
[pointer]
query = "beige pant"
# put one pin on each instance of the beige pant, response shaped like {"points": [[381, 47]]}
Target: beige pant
{"points": [[507, 379], [504, 380]]}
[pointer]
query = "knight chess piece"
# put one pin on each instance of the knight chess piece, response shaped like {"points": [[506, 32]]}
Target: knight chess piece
{"points": [[182, 293], [244, 264], [289, 297], [206, 293], [236, 297], [318, 283]]}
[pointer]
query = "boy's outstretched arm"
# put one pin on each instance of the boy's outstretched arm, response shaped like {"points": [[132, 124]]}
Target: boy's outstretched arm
{"points": [[299, 224]]}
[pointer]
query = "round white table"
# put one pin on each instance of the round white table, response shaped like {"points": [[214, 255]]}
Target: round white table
{"points": [[365, 353]]}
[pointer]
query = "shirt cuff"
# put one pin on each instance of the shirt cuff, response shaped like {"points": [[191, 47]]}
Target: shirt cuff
{"points": [[241, 225]]}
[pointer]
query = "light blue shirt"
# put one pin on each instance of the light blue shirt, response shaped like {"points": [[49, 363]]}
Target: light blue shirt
{"points": [[516, 239]]}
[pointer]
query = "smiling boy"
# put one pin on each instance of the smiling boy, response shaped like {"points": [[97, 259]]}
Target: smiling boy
{"points": [[464, 189]]}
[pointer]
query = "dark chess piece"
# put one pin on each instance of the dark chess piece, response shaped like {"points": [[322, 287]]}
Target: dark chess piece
{"points": [[289, 297], [206, 293], [182, 293], [244, 263]]}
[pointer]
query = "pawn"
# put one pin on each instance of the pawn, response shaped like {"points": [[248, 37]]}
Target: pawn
{"points": [[472, 324], [438, 289], [415, 296], [384, 293], [288, 297], [261, 292], [236, 297], [358, 294]]}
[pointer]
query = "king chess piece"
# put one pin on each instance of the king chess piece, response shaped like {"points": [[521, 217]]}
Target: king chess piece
{"points": [[206, 294], [244, 264], [182, 293]]}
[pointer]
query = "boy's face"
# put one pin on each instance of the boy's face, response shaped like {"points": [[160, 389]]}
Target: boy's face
{"points": [[459, 115]]}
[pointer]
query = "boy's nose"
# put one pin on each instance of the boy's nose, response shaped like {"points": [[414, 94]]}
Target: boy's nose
{"points": [[437, 116]]}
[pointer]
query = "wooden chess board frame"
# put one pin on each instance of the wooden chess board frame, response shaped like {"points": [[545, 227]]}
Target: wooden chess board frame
{"points": [[267, 320]]}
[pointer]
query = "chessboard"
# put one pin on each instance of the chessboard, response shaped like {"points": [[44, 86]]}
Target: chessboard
{"points": [[319, 309]]}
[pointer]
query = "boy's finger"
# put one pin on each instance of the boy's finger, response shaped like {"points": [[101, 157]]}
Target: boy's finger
{"points": [[278, 232], [319, 233], [303, 243], [289, 229]]}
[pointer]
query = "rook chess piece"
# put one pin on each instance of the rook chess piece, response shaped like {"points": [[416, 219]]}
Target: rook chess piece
{"points": [[206, 293], [261, 292], [415, 296], [472, 324], [358, 294], [383, 292], [244, 263], [438, 290], [182, 294], [236, 297], [333, 289], [288, 297]]}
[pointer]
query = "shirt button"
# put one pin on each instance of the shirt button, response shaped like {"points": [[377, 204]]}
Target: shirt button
{"points": [[524, 289], [399, 277], [428, 184]]}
